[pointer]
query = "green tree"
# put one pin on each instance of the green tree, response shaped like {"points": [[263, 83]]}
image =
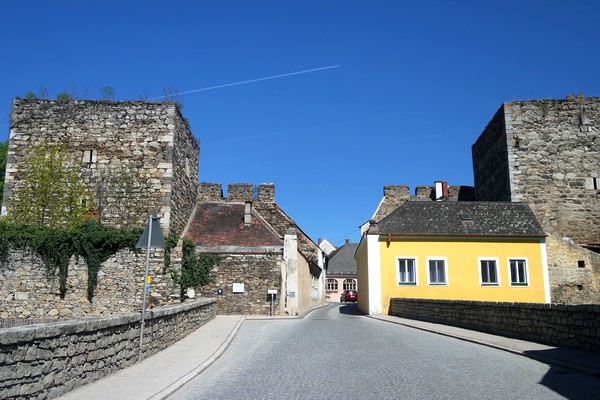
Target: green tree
{"points": [[3, 152], [30, 95], [64, 96], [51, 191]]}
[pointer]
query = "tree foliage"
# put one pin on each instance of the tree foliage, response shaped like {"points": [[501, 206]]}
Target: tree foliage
{"points": [[108, 92], [51, 191], [64, 96]]}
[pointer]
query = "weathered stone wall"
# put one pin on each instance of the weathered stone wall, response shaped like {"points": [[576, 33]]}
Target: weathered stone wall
{"points": [[393, 197], [45, 361], [574, 273], [545, 153], [455, 193], [258, 273], [210, 192], [561, 325], [186, 154], [148, 141], [490, 161], [27, 291]]}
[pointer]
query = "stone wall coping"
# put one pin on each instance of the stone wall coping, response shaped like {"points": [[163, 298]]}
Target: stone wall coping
{"points": [[559, 307], [70, 327], [240, 249], [571, 325]]}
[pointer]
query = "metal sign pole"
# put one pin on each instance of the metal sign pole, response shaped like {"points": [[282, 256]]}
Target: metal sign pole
{"points": [[145, 287]]}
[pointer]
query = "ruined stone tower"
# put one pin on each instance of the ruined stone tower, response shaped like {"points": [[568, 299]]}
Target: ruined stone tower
{"points": [[146, 148], [546, 153]]}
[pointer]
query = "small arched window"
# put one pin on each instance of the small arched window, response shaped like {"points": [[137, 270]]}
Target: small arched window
{"points": [[331, 284], [349, 284]]}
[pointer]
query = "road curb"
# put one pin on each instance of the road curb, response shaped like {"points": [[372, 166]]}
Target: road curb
{"points": [[172, 388]]}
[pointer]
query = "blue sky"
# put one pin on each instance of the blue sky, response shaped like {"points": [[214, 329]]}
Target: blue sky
{"points": [[414, 85]]}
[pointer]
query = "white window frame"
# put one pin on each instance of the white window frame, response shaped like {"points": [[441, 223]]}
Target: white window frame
{"points": [[415, 271], [497, 261], [89, 157], [510, 280], [349, 284], [445, 261], [330, 281]]}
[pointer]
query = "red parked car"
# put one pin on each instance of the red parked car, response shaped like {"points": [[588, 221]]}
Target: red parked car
{"points": [[349, 295]]}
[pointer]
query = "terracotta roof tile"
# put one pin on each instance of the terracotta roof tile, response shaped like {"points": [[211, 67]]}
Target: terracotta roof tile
{"points": [[222, 224]]}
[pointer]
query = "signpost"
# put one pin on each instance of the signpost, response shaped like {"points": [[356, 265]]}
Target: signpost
{"points": [[272, 293], [151, 238]]}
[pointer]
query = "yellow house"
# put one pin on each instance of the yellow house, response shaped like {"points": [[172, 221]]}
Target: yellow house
{"points": [[453, 250]]}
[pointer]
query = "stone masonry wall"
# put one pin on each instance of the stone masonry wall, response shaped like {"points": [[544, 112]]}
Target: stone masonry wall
{"points": [[117, 139], [393, 197], [28, 292], [186, 154], [455, 193], [45, 361], [554, 324], [490, 161], [258, 272], [574, 273], [552, 149]]}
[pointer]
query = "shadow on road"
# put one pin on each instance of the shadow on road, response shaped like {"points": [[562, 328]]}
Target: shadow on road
{"points": [[350, 309], [557, 378]]}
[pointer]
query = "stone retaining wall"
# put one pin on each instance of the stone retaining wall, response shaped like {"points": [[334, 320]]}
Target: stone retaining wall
{"points": [[46, 361], [574, 272], [27, 291], [553, 324], [258, 273]]}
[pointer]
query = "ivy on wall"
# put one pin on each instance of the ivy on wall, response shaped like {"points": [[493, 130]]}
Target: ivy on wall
{"points": [[196, 269], [90, 240]]}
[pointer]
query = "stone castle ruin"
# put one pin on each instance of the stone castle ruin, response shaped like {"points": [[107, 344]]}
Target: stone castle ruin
{"points": [[135, 156], [142, 155], [547, 153]]}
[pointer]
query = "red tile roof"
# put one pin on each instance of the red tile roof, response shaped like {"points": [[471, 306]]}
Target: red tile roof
{"points": [[222, 224]]}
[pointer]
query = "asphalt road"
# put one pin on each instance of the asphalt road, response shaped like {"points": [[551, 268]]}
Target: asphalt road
{"points": [[335, 353]]}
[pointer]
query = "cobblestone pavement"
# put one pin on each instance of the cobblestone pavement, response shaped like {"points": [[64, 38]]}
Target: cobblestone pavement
{"points": [[335, 353]]}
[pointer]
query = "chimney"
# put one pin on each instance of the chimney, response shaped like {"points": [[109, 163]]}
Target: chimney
{"points": [[248, 213], [347, 241], [441, 190]]}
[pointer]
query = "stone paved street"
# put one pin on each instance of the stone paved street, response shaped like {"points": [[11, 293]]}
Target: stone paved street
{"points": [[336, 353]]}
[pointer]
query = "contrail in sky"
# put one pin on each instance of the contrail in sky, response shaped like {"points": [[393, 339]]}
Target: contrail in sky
{"points": [[306, 71]]}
